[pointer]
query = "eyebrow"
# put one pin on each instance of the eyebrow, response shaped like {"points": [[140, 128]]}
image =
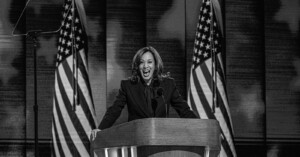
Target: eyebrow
{"points": [[147, 59]]}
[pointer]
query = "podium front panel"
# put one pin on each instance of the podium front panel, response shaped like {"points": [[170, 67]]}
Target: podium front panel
{"points": [[160, 137]]}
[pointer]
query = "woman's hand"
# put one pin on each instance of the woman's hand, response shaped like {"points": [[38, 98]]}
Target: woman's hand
{"points": [[94, 134]]}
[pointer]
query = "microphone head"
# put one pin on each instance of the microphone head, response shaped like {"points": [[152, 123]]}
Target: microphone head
{"points": [[160, 91]]}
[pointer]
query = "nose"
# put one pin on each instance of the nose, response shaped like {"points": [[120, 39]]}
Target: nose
{"points": [[146, 65]]}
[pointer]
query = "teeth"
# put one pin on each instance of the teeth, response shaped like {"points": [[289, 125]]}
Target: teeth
{"points": [[146, 73]]}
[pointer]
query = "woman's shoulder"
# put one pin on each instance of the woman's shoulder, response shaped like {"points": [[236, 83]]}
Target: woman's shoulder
{"points": [[167, 79], [167, 76], [126, 81], [129, 81]]}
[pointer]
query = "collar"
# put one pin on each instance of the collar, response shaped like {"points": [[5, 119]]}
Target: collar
{"points": [[154, 83]]}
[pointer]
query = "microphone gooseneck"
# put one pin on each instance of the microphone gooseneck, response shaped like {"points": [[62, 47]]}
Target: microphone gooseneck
{"points": [[160, 92], [154, 106]]}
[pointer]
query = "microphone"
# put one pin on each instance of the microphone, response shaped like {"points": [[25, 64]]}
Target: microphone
{"points": [[160, 92], [154, 106]]}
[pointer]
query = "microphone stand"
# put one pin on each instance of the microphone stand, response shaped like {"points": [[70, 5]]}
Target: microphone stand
{"points": [[32, 34], [160, 92], [167, 112]]}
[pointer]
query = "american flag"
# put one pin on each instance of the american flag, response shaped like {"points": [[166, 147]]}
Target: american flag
{"points": [[208, 40], [73, 107]]}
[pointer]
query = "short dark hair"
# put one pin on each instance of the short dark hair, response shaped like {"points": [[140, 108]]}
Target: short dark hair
{"points": [[158, 72]]}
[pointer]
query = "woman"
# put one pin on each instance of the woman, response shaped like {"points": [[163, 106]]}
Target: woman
{"points": [[148, 92]]}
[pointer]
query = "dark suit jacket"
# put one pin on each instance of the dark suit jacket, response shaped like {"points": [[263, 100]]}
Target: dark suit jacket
{"points": [[132, 95]]}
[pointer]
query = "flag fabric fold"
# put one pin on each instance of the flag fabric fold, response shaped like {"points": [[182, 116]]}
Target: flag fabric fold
{"points": [[208, 40], [73, 107]]}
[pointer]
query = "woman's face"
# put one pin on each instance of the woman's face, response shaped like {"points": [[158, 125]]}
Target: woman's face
{"points": [[147, 67]]}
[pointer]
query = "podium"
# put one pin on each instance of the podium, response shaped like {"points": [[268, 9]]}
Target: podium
{"points": [[159, 137]]}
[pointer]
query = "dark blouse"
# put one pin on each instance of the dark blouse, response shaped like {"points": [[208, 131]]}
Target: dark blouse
{"points": [[144, 102]]}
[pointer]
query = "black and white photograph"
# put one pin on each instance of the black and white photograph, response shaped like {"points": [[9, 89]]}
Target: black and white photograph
{"points": [[149, 78]]}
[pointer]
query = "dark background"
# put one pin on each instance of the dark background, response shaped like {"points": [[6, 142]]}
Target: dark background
{"points": [[262, 65]]}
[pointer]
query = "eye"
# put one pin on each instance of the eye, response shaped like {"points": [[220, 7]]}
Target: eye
{"points": [[141, 62]]}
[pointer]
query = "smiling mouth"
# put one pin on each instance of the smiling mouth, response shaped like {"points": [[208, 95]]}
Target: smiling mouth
{"points": [[146, 73]]}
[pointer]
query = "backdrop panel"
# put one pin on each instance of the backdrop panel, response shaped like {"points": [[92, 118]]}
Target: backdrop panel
{"points": [[12, 81], [282, 70], [166, 32], [245, 67], [125, 35]]}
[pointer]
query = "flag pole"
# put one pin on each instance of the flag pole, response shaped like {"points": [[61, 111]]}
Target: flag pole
{"points": [[213, 58], [75, 64]]}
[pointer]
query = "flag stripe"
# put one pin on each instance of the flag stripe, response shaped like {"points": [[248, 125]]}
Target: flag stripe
{"points": [[56, 144], [220, 64], [73, 110], [196, 98], [223, 104], [66, 73], [205, 104], [226, 146], [205, 107], [224, 111], [222, 88], [86, 110], [87, 94], [66, 132], [225, 133], [192, 103], [70, 115], [223, 152], [207, 77], [83, 93], [83, 60], [196, 95], [219, 74], [206, 70], [62, 132], [202, 80], [205, 99], [204, 84], [58, 150], [84, 70], [220, 68]]}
